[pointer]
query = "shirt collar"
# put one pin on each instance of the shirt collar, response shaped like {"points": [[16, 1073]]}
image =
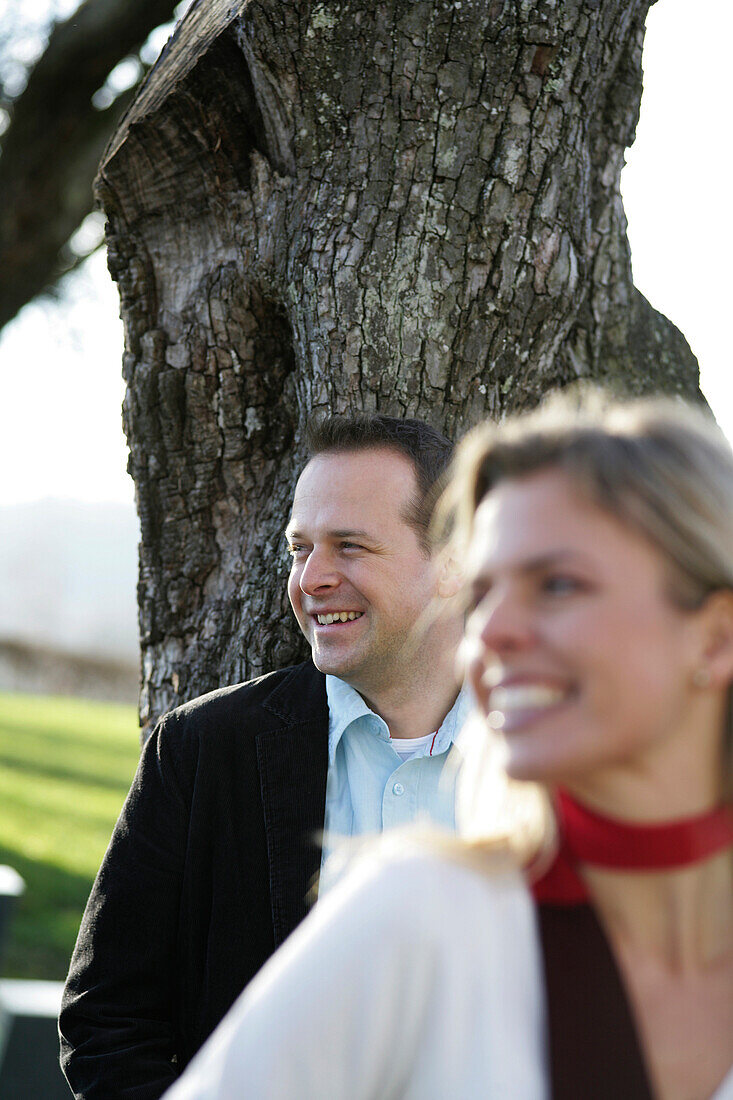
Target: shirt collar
{"points": [[345, 705], [452, 723]]}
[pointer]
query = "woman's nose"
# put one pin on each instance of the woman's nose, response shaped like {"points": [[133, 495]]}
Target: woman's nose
{"points": [[503, 623], [498, 629]]}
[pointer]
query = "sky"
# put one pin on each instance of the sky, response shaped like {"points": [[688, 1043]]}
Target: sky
{"points": [[60, 383]]}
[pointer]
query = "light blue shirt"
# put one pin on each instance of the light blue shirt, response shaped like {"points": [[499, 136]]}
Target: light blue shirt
{"points": [[369, 788]]}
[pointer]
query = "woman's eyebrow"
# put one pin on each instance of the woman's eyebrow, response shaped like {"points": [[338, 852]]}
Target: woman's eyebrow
{"points": [[534, 565], [555, 557]]}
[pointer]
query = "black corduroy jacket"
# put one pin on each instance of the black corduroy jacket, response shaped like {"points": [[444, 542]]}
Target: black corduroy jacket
{"points": [[207, 872]]}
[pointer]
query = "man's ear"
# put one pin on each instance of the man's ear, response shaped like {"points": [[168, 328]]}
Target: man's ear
{"points": [[717, 613], [449, 576]]}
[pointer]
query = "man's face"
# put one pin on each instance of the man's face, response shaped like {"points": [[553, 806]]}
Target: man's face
{"points": [[360, 578]]}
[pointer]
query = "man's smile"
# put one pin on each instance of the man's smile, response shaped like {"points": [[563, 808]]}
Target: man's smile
{"points": [[329, 617]]}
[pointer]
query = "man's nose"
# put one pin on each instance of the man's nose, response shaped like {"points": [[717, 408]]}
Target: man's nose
{"points": [[318, 573]]}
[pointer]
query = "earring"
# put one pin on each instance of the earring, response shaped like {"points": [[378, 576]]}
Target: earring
{"points": [[701, 677]]}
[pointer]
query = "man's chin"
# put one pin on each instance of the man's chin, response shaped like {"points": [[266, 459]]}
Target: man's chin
{"points": [[331, 665], [335, 663]]}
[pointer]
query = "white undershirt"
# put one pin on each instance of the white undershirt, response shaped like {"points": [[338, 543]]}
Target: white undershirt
{"points": [[408, 747]]}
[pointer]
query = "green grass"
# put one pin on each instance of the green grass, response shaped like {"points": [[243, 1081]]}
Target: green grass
{"points": [[65, 767]]}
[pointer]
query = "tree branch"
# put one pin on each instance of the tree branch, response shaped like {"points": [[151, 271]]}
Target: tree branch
{"points": [[56, 137]]}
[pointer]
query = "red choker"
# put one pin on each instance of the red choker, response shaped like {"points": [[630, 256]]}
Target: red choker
{"points": [[587, 836]]}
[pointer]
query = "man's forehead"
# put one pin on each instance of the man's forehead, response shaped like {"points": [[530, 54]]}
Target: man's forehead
{"points": [[338, 510], [347, 489], [356, 474]]}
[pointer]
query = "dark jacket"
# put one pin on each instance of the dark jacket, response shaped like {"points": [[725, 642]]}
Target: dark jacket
{"points": [[206, 873]]}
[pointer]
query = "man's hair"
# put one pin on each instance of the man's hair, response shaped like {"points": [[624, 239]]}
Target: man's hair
{"points": [[427, 449]]}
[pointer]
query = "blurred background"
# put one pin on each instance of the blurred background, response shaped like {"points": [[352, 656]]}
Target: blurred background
{"points": [[68, 528], [69, 737]]}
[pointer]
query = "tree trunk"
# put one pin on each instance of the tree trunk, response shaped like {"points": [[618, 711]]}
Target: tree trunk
{"points": [[410, 206]]}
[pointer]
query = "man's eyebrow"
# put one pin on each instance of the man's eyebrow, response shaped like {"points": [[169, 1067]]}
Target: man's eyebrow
{"points": [[347, 533]]}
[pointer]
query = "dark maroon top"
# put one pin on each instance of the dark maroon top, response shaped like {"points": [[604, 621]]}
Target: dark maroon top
{"points": [[594, 1048]]}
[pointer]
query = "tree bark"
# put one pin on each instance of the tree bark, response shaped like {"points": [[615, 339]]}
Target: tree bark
{"points": [[410, 206], [52, 148]]}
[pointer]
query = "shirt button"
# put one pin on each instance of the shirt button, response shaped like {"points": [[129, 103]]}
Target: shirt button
{"points": [[398, 789]]}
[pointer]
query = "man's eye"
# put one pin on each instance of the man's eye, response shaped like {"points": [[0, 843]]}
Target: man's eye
{"points": [[295, 549], [351, 546]]}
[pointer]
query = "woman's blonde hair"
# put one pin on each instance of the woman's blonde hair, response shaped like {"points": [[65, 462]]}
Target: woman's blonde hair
{"points": [[658, 465]]}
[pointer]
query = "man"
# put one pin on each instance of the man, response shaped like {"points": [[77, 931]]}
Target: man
{"points": [[211, 861]]}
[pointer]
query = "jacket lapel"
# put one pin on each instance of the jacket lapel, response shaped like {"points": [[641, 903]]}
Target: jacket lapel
{"points": [[293, 765]]}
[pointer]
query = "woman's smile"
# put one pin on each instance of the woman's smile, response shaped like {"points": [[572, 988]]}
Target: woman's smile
{"points": [[515, 705]]}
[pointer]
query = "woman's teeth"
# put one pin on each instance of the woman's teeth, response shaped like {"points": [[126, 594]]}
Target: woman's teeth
{"points": [[525, 697], [338, 617]]}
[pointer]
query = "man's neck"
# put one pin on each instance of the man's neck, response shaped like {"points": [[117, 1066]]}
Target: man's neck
{"points": [[409, 714], [414, 696]]}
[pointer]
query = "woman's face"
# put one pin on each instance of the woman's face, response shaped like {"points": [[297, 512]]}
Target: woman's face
{"points": [[574, 649]]}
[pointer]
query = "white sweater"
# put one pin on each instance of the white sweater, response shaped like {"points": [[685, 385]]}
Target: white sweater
{"points": [[416, 978]]}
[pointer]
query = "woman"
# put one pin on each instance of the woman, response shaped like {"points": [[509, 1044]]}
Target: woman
{"points": [[598, 546]]}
